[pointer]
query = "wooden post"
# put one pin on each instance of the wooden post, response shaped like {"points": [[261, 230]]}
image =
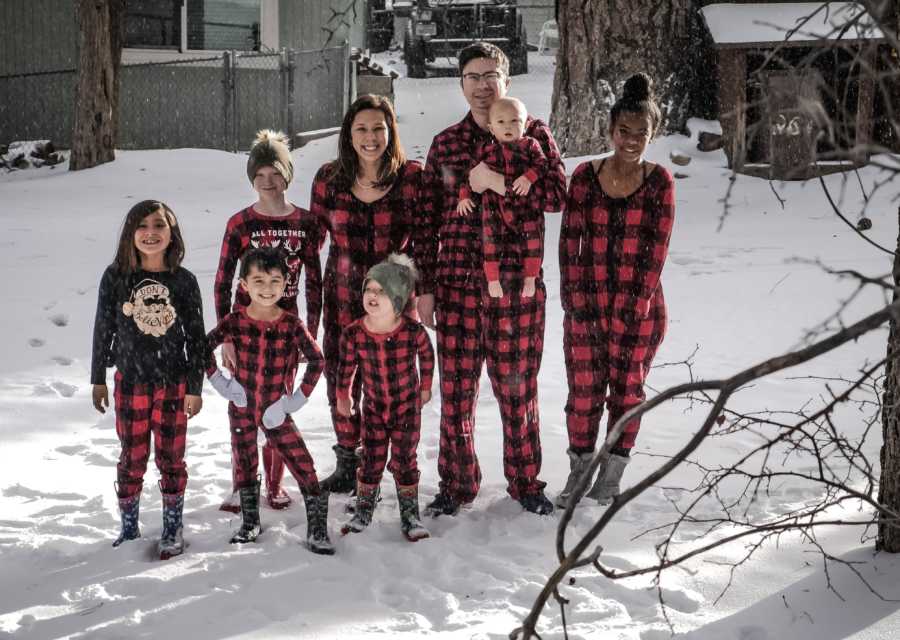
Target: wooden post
{"points": [[732, 107], [865, 104]]}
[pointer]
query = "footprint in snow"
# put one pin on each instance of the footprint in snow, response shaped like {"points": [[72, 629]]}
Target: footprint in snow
{"points": [[20, 491], [59, 319], [62, 360], [35, 342], [63, 389]]}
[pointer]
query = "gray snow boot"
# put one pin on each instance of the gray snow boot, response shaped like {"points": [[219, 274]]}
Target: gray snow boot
{"points": [[606, 486], [250, 527], [408, 499], [343, 480], [129, 509], [171, 541], [317, 523], [366, 497], [578, 462]]}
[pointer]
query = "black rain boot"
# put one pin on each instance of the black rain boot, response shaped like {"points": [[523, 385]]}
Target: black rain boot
{"points": [[408, 499], [366, 497], [317, 524], [171, 541], [129, 509], [343, 480], [250, 527]]}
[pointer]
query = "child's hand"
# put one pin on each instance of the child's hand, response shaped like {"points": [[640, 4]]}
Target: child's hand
{"points": [[465, 206], [345, 407], [229, 357], [100, 397], [528, 288], [192, 405], [229, 388], [494, 289], [424, 397], [521, 186]]}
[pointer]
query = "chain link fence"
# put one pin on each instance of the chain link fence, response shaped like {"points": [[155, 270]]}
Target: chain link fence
{"points": [[215, 102]]}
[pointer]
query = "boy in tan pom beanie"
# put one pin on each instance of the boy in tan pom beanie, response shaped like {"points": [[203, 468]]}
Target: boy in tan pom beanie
{"points": [[272, 221]]}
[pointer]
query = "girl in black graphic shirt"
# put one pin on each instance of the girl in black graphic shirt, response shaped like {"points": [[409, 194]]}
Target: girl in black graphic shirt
{"points": [[149, 325]]}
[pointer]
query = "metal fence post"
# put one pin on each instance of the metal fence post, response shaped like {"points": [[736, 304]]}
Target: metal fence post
{"points": [[346, 63], [227, 141], [235, 114]]}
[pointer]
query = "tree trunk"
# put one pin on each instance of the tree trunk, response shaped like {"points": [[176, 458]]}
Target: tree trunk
{"points": [[602, 42], [889, 485], [94, 136]]}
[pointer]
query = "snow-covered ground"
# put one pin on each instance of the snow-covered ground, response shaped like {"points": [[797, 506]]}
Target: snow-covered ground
{"points": [[734, 292]]}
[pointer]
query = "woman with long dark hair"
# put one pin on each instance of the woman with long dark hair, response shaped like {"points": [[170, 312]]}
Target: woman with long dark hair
{"points": [[366, 199]]}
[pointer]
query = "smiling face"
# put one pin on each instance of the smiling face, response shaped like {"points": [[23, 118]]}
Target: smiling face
{"points": [[482, 83], [268, 182], [630, 134], [152, 236], [265, 288], [507, 120], [369, 135], [376, 302]]}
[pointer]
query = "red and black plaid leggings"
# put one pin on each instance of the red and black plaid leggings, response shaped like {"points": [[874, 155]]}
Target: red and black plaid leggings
{"points": [[607, 364], [142, 410], [508, 333], [399, 431], [286, 439]]}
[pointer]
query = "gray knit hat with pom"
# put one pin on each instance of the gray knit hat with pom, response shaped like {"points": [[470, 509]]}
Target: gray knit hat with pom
{"points": [[397, 276], [270, 149]]}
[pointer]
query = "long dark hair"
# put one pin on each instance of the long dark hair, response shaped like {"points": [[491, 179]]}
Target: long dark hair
{"points": [[345, 169], [127, 259], [637, 97]]}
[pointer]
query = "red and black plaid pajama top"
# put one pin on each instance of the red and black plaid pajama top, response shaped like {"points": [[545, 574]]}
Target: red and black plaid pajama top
{"points": [[508, 332], [611, 255], [296, 236], [268, 354], [512, 219], [362, 235], [392, 386], [150, 326]]}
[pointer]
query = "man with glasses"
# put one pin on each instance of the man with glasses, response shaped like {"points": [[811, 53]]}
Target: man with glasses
{"points": [[508, 334]]}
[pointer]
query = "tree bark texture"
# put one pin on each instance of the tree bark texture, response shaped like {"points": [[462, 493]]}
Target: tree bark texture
{"points": [[602, 42], [889, 485], [94, 135]]}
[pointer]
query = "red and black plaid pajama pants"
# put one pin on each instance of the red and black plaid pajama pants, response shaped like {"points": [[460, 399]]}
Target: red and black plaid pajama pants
{"points": [[508, 332], [398, 429], [347, 429], [142, 410], [607, 364], [286, 439]]}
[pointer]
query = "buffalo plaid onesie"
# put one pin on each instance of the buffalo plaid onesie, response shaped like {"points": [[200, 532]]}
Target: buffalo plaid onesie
{"points": [[150, 326], [296, 235], [508, 331], [511, 218], [611, 255], [391, 413], [362, 235], [268, 354]]}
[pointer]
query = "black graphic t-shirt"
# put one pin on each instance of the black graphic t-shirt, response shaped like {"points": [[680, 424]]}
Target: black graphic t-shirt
{"points": [[150, 326]]}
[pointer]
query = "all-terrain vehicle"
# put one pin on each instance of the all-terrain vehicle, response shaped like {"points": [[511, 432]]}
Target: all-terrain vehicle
{"points": [[440, 28]]}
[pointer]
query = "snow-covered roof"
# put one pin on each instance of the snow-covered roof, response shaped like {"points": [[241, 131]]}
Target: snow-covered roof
{"points": [[736, 24]]}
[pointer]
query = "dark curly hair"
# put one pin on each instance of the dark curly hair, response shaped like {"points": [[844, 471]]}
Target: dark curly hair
{"points": [[637, 97]]}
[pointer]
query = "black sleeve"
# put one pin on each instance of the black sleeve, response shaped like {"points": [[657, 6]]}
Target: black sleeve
{"points": [[104, 327], [196, 346]]}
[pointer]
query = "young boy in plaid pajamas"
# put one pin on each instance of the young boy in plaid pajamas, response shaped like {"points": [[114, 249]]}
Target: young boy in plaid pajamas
{"points": [[470, 328], [270, 222], [514, 219], [382, 347], [269, 344]]}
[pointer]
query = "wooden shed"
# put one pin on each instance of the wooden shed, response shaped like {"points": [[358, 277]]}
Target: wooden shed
{"points": [[796, 85]]}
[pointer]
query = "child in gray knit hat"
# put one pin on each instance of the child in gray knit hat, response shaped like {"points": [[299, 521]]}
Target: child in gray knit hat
{"points": [[272, 221], [382, 347]]}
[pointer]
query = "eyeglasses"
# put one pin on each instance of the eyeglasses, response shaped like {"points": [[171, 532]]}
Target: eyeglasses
{"points": [[475, 78]]}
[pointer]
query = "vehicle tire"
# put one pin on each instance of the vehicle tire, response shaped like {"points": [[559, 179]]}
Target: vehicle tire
{"points": [[413, 54], [518, 55]]}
